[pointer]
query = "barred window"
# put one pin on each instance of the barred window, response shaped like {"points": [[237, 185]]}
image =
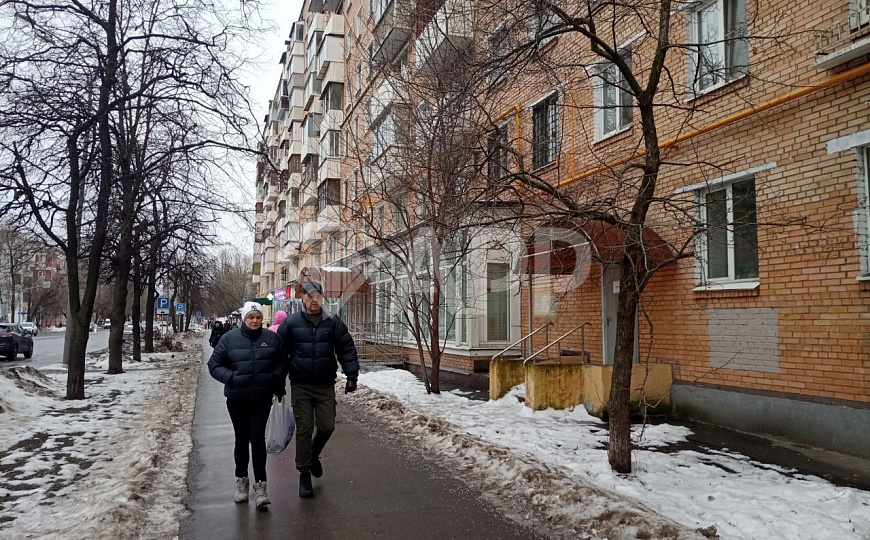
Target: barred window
{"points": [[497, 155], [545, 131]]}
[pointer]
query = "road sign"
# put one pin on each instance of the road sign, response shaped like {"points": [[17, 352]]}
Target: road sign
{"points": [[179, 308], [162, 305]]}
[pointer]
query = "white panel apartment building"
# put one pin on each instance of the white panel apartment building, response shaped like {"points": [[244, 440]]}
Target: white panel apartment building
{"points": [[334, 134]]}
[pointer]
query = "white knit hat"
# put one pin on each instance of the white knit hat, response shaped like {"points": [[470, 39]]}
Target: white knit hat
{"points": [[249, 307]]}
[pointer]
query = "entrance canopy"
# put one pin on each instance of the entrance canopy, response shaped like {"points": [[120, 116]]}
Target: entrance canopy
{"points": [[336, 281], [559, 249]]}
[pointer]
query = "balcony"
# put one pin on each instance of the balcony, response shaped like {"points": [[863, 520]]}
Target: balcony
{"points": [[395, 23], [313, 88], [271, 218], [310, 236], [450, 31], [269, 264], [391, 91], [330, 168], [328, 219], [846, 39], [331, 51]]}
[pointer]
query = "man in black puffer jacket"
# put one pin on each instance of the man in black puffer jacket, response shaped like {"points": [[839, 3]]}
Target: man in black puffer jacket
{"points": [[250, 363], [315, 343]]}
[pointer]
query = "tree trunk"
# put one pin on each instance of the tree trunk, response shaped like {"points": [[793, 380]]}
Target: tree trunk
{"points": [[137, 308], [78, 327], [619, 449], [149, 307], [153, 252]]}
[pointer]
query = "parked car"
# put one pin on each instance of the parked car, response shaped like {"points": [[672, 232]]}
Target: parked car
{"points": [[107, 323], [30, 328], [14, 340]]}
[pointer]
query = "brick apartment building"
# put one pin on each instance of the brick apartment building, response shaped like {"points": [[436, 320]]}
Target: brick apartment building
{"points": [[763, 198]]}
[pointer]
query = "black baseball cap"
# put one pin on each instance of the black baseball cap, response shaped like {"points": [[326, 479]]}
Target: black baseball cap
{"points": [[312, 287]]}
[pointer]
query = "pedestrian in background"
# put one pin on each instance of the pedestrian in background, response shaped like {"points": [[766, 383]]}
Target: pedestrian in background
{"points": [[279, 317], [315, 342], [216, 332], [250, 364]]}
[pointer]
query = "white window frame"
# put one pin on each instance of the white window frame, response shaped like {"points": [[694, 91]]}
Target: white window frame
{"points": [[600, 82], [729, 281], [496, 47], [726, 75], [544, 19]]}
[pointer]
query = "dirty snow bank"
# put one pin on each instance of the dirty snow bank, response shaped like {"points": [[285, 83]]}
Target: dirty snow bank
{"points": [[112, 466], [556, 463]]}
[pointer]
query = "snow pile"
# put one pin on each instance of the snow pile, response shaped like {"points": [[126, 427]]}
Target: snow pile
{"points": [[111, 466], [556, 463]]}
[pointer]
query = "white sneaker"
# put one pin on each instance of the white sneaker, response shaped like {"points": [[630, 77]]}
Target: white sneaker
{"points": [[260, 494], [242, 487]]}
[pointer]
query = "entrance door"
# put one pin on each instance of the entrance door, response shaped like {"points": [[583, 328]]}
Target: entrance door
{"points": [[609, 303]]}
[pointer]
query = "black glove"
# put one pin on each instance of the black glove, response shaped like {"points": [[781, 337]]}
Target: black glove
{"points": [[350, 386]]}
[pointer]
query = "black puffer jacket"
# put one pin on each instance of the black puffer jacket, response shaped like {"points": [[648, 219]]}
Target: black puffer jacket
{"points": [[249, 363], [313, 351]]}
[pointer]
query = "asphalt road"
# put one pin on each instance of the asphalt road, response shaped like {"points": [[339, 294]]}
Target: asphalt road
{"points": [[48, 349]]}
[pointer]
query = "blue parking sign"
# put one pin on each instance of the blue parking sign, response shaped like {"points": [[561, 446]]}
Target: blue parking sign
{"points": [[179, 308], [162, 303]]}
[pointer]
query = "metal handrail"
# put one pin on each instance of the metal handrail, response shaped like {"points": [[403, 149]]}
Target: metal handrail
{"points": [[558, 341], [523, 339]]}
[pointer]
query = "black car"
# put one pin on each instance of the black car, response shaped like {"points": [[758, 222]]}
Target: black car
{"points": [[14, 340]]}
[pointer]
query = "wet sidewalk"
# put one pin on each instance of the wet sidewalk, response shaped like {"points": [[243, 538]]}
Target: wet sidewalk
{"points": [[372, 487]]}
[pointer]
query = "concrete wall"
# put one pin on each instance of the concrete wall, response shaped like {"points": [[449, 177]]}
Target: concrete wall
{"points": [[837, 428]]}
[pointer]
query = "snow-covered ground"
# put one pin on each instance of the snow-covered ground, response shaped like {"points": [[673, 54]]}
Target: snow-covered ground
{"points": [[113, 466], [557, 462]]}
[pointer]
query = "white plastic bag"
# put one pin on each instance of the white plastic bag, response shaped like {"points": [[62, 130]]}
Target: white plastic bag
{"points": [[280, 426]]}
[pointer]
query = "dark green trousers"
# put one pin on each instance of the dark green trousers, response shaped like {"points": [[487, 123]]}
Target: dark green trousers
{"points": [[314, 410]]}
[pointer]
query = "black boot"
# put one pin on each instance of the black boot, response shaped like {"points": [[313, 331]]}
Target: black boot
{"points": [[316, 468], [306, 491]]}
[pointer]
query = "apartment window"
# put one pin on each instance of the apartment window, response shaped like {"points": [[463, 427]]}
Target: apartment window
{"points": [[346, 191], [295, 164], [497, 155], [544, 20], [329, 145], [355, 185], [294, 197], [359, 22], [299, 31], [449, 306], [380, 7], [380, 221], [359, 77], [497, 297], [496, 51], [348, 44], [613, 102], [730, 245], [718, 31], [312, 125], [327, 194], [349, 94], [545, 131], [367, 114], [334, 94], [370, 56], [346, 143], [859, 14]]}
